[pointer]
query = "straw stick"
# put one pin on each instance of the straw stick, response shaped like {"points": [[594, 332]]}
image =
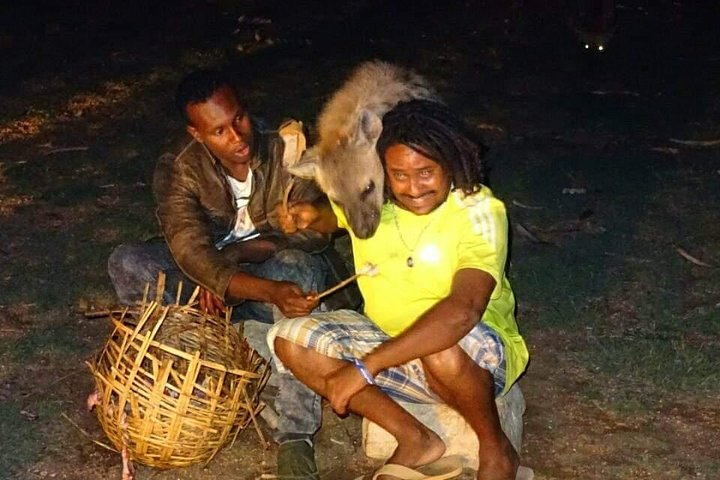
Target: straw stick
{"points": [[145, 297], [194, 296], [179, 292], [251, 411], [160, 287], [369, 269], [79, 428]]}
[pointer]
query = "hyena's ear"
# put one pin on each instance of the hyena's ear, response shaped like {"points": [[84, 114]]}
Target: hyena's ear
{"points": [[307, 166], [368, 128]]}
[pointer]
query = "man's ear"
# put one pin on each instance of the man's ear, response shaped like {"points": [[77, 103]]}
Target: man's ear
{"points": [[308, 165], [193, 131]]}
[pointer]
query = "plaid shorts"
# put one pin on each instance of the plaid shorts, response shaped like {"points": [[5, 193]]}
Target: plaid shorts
{"points": [[346, 334]]}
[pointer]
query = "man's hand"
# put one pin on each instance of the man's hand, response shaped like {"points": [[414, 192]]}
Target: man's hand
{"points": [[298, 216], [343, 384], [292, 301], [211, 303]]}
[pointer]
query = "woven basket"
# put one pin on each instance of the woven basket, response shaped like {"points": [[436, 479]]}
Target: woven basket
{"points": [[175, 384]]}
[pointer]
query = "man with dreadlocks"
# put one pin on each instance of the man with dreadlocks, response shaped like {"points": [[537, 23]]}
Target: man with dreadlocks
{"points": [[439, 323]]}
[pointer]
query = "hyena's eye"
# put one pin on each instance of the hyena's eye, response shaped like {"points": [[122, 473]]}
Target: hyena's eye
{"points": [[370, 188]]}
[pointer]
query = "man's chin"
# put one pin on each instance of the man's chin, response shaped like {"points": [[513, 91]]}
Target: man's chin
{"points": [[240, 159]]}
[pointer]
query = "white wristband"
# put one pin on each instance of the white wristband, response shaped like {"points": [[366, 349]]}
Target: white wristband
{"points": [[363, 371]]}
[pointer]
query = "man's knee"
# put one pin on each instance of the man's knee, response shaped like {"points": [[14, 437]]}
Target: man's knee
{"points": [[123, 274], [302, 261], [116, 260], [293, 256], [307, 270], [287, 337], [449, 362], [130, 267], [283, 350], [127, 257], [122, 266]]}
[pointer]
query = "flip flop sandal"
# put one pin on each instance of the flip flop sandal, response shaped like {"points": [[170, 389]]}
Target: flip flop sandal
{"points": [[443, 469]]}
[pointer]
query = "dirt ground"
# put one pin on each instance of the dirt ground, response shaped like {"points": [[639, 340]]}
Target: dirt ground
{"points": [[608, 163]]}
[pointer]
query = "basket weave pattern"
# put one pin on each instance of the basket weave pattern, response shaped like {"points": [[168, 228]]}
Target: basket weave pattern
{"points": [[175, 384]]}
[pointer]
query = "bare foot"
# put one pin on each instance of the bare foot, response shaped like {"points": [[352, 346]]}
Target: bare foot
{"points": [[424, 448], [500, 464]]}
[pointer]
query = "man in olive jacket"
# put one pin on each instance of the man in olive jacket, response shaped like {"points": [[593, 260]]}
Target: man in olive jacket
{"points": [[217, 206]]}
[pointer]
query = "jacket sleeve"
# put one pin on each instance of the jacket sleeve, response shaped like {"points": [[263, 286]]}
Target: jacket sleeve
{"points": [[308, 240], [187, 228]]}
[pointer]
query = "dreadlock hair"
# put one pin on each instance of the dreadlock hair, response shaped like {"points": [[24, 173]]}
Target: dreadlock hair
{"points": [[433, 130], [197, 87]]}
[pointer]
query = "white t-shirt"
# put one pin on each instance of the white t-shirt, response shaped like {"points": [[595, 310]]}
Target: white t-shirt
{"points": [[244, 228]]}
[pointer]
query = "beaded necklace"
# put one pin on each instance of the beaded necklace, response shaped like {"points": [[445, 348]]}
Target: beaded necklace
{"points": [[410, 261]]}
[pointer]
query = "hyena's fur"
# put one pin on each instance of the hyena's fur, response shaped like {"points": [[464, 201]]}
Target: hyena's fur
{"points": [[344, 162]]}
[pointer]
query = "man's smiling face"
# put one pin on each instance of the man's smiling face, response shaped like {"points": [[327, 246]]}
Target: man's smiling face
{"points": [[418, 183]]}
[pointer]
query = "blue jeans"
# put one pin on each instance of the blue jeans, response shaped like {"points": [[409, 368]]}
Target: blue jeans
{"points": [[131, 266]]}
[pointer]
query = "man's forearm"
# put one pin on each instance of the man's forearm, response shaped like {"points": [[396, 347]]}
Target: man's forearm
{"points": [[440, 328], [244, 286], [255, 250]]}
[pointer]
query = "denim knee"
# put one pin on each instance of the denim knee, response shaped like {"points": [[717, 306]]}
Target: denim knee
{"points": [[306, 270], [132, 265], [121, 257]]}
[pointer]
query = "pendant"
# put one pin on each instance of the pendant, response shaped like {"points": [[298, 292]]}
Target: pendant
{"points": [[410, 262]]}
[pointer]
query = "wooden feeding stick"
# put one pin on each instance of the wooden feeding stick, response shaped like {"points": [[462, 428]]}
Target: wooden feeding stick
{"points": [[369, 269]]}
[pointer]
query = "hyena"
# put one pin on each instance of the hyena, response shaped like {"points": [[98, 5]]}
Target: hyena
{"points": [[594, 23], [344, 162]]}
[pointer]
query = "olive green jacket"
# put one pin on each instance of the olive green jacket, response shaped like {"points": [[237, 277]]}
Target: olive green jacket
{"points": [[196, 209]]}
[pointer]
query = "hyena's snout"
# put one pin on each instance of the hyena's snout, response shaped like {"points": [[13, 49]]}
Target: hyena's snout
{"points": [[365, 222]]}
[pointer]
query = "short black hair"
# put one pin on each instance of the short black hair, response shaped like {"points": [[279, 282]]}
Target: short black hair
{"points": [[432, 129], [198, 86]]}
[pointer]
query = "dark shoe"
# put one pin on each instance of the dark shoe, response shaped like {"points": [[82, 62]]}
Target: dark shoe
{"points": [[296, 461]]}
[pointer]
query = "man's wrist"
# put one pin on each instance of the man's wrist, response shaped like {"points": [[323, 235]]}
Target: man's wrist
{"points": [[370, 362], [360, 365]]}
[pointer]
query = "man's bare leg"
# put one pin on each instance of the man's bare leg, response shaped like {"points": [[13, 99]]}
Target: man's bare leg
{"points": [[469, 389], [417, 445]]}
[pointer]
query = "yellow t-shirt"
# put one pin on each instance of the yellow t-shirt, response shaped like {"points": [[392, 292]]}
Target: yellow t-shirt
{"points": [[464, 232]]}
